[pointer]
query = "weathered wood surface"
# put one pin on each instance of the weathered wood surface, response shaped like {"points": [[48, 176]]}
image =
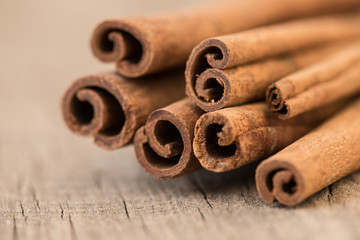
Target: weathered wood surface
{"points": [[54, 185]]}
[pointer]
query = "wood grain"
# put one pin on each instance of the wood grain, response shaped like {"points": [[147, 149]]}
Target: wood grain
{"points": [[54, 185]]}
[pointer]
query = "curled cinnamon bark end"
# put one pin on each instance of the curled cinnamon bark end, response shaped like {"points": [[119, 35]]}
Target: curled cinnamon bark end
{"points": [[111, 108], [163, 146], [328, 80], [277, 102], [314, 161], [214, 143], [167, 135], [230, 138], [208, 86], [274, 98], [213, 90], [279, 181], [126, 44], [233, 137], [93, 106]]}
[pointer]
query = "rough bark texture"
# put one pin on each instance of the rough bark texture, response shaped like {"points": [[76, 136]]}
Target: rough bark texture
{"points": [[326, 81], [233, 137], [313, 162], [111, 108], [164, 146], [215, 88], [143, 45], [216, 76]]}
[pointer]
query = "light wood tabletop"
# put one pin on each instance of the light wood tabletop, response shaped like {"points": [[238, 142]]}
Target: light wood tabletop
{"points": [[55, 185]]}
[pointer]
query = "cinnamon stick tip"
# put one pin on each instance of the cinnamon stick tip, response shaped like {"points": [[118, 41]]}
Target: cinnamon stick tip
{"points": [[278, 180], [88, 108], [214, 144], [274, 98], [217, 53], [208, 87], [148, 159], [124, 42], [163, 146]]}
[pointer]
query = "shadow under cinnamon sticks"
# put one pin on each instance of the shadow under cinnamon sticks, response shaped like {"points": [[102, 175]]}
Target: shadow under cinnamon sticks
{"points": [[163, 146], [315, 161], [233, 137], [111, 108], [235, 69], [144, 45]]}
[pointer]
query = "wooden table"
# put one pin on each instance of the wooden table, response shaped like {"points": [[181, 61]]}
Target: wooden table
{"points": [[54, 185]]}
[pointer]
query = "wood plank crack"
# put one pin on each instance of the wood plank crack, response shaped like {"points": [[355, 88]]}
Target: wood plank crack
{"points": [[201, 214], [23, 211], [33, 193], [126, 210], [72, 229], [201, 190], [330, 194], [15, 232], [123, 200], [61, 212]]}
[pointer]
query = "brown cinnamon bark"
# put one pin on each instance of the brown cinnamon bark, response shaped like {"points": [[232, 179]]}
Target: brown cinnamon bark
{"points": [[232, 137], [313, 162], [110, 108], [150, 44], [214, 88], [326, 81], [214, 73], [163, 146]]}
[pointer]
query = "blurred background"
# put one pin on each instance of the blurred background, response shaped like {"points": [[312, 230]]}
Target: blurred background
{"points": [[44, 46]]}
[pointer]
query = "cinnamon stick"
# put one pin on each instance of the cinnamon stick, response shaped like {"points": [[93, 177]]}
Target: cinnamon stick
{"points": [[313, 162], [110, 108], [163, 146], [213, 89], [233, 137], [144, 45], [326, 81]]}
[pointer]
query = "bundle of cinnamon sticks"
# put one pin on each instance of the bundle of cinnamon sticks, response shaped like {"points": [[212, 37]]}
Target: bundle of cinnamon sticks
{"points": [[270, 80]]}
